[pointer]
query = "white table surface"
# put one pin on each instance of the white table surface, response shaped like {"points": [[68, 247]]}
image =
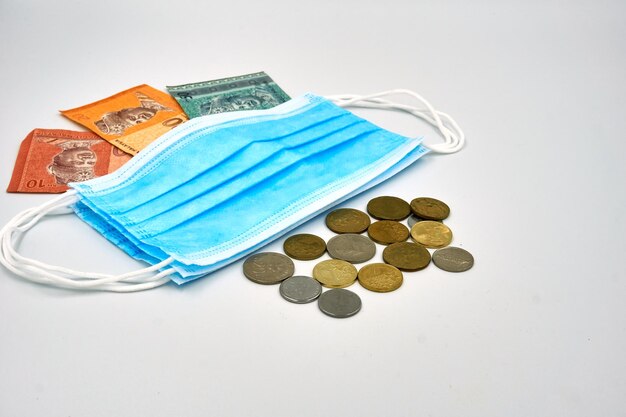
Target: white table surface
{"points": [[536, 328]]}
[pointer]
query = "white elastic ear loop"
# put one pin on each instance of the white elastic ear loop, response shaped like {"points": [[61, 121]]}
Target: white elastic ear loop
{"points": [[41, 272], [68, 277], [454, 138]]}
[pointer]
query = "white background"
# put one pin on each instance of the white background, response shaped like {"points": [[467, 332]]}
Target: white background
{"points": [[537, 328]]}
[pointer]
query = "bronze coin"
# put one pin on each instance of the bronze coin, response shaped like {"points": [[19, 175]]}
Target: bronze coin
{"points": [[347, 220], [304, 247], [388, 208], [387, 232], [335, 273], [430, 208], [407, 256], [380, 277], [431, 234]]}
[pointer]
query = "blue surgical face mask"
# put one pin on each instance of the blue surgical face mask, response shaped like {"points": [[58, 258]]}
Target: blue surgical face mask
{"points": [[221, 186]]}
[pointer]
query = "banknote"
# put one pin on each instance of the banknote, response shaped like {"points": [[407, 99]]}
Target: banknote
{"points": [[48, 159], [132, 119], [245, 92]]}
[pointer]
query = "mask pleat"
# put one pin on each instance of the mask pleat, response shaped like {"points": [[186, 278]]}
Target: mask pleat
{"points": [[205, 149], [250, 182], [188, 272], [135, 248], [241, 174], [103, 225], [271, 196], [193, 271], [110, 227]]}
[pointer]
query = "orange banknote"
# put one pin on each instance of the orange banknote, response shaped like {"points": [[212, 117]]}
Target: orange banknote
{"points": [[132, 119], [50, 158]]}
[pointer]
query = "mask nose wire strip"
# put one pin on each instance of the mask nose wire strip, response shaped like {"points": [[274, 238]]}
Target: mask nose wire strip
{"points": [[41, 272], [454, 138]]}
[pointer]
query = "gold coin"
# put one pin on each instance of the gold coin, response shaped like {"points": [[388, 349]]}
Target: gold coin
{"points": [[430, 208], [335, 273], [387, 232], [388, 208], [407, 256], [380, 277], [431, 234], [346, 220], [304, 247]]}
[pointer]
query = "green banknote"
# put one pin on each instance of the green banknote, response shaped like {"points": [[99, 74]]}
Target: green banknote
{"points": [[246, 92]]}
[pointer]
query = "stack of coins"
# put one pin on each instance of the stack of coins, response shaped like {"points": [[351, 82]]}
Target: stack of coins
{"points": [[426, 229]]}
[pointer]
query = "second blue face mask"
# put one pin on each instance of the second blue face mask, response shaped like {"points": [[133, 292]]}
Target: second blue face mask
{"points": [[220, 186]]}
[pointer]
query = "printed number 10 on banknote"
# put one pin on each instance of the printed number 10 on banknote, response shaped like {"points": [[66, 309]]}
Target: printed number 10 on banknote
{"points": [[132, 119]]}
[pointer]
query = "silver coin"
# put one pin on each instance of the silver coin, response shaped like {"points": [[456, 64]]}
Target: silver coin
{"points": [[300, 289], [351, 247], [268, 268], [339, 303], [453, 259], [415, 219], [412, 220]]}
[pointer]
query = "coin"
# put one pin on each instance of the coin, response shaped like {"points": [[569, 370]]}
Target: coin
{"points": [[335, 273], [386, 232], [300, 289], [388, 208], [304, 247], [268, 267], [346, 220], [430, 208], [352, 248], [431, 234], [453, 259], [407, 256], [380, 277], [339, 303], [413, 219]]}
